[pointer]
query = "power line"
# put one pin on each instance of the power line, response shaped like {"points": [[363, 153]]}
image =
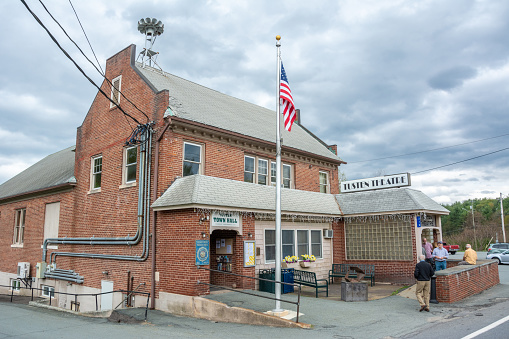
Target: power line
{"points": [[83, 29], [74, 62], [457, 162], [430, 150], [99, 71]]}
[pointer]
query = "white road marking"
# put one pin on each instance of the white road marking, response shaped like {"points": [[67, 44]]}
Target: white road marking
{"points": [[487, 328]]}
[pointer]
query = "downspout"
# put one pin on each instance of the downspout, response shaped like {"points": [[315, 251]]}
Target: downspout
{"points": [[153, 220], [142, 218]]}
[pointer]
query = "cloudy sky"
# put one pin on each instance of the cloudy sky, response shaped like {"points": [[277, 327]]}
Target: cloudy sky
{"points": [[399, 86]]}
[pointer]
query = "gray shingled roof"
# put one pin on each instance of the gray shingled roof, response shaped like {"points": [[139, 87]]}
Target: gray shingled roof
{"points": [[392, 200], [212, 192], [53, 170], [197, 103]]}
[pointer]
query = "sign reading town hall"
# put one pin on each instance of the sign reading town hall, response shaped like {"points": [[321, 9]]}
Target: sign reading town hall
{"points": [[223, 218], [388, 181]]}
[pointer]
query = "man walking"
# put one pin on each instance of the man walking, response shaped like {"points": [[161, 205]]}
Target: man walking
{"points": [[440, 254], [423, 273]]}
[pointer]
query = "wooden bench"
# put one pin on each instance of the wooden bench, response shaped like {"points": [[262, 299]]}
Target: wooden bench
{"points": [[309, 279], [342, 270]]}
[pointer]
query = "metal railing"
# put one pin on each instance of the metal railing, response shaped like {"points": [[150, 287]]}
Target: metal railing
{"points": [[76, 295], [253, 294]]}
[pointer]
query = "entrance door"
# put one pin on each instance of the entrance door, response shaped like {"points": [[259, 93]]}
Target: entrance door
{"points": [[106, 299]]}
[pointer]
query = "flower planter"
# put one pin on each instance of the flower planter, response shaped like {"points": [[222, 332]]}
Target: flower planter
{"points": [[289, 265], [305, 264]]}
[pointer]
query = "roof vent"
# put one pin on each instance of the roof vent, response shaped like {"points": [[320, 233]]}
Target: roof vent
{"points": [[152, 28]]}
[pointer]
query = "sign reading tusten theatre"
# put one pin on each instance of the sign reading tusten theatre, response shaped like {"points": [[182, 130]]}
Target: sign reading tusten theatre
{"points": [[388, 181]]}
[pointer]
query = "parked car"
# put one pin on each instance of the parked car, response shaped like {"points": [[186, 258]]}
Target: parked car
{"points": [[451, 248], [502, 257], [498, 245]]}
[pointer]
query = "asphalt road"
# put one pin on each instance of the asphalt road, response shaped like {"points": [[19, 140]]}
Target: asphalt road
{"points": [[391, 317]]}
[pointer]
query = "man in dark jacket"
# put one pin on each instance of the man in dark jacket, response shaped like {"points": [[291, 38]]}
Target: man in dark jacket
{"points": [[423, 273]]}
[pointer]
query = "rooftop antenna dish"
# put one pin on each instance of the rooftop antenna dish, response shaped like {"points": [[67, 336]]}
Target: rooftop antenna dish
{"points": [[152, 28]]}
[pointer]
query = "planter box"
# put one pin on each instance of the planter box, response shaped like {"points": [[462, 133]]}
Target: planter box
{"points": [[305, 264], [294, 265]]}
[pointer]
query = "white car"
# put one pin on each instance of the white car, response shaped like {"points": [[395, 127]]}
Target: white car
{"points": [[502, 257]]}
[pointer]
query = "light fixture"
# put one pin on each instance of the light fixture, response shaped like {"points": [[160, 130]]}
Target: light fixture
{"points": [[203, 234], [250, 235]]}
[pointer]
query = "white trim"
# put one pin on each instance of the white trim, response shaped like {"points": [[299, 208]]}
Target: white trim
{"points": [[119, 78]]}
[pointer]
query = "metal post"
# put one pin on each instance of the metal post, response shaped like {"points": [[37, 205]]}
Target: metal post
{"points": [[278, 185], [502, 215], [96, 304], [433, 294], [473, 224], [146, 308], [76, 303]]}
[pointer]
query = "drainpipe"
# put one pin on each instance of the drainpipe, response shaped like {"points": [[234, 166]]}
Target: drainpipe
{"points": [[142, 227], [153, 220]]}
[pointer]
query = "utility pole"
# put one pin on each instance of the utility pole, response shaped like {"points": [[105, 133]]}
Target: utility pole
{"points": [[502, 215], [473, 224]]}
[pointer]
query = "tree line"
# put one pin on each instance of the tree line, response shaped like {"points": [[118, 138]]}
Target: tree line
{"points": [[477, 222]]}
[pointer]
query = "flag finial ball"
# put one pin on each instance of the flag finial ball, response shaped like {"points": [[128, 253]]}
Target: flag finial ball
{"points": [[278, 37]]}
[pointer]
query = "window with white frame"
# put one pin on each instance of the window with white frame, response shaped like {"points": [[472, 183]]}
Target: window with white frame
{"points": [[130, 164], [294, 242], [256, 171], [270, 245], [15, 285], [115, 91], [96, 173], [324, 182], [192, 159], [19, 226], [48, 291]]}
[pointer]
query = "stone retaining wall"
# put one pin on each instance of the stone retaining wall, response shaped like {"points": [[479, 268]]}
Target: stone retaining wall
{"points": [[458, 282]]}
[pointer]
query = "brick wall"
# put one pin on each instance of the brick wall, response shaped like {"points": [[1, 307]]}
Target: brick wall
{"points": [[458, 282]]}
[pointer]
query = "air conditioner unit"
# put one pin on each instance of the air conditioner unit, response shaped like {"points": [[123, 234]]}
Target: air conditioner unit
{"points": [[23, 270], [328, 234]]}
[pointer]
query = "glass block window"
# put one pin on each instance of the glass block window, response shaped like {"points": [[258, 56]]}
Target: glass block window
{"points": [[380, 240]]}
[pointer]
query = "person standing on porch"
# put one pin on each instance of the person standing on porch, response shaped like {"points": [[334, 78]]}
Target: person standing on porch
{"points": [[428, 248], [423, 273], [440, 254]]}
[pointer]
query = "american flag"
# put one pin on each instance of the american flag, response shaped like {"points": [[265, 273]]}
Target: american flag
{"points": [[286, 100]]}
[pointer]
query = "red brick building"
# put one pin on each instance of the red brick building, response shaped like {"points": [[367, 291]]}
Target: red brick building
{"points": [[162, 165]]}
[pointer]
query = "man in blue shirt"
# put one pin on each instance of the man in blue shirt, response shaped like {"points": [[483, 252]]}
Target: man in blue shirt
{"points": [[440, 254]]}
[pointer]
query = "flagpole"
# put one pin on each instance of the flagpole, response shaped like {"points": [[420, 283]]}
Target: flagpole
{"points": [[278, 183]]}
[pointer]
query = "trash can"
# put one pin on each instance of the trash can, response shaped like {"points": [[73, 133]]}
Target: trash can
{"points": [[269, 286]]}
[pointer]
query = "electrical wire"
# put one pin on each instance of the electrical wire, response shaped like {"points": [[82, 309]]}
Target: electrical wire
{"points": [[83, 29], [90, 61], [457, 162], [74, 62], [430, 150]]}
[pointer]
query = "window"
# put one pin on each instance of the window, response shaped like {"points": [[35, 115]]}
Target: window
{"points": [[19, 227], [288, 247], [51, 220], [97, 168], [256, 171], [376, 240], [270, 245], [249, 169], [15, 285], [324, 182], [115, 91], [302, 243], [130, 163], [262, 172], [48, 291], [192, 159], [316, 243], [293, 245]]}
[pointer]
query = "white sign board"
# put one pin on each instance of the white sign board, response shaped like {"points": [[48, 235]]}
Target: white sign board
{"points": [[225, 219], [388, 181]]}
